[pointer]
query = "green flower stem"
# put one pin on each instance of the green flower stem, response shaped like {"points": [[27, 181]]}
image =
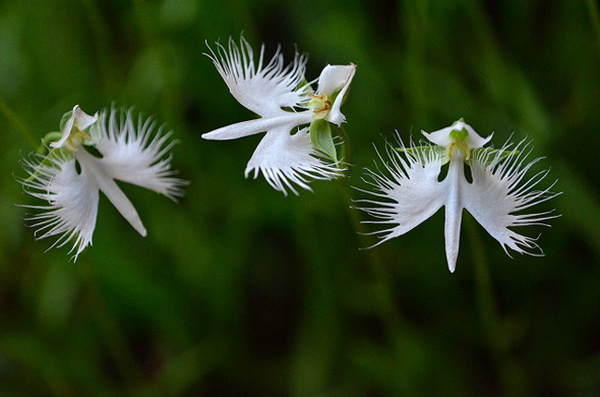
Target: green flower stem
{"points": [[14, 121], [389, 312], [499, 341], [99, 33], [116, 342], [345, 154], [595, 19]]}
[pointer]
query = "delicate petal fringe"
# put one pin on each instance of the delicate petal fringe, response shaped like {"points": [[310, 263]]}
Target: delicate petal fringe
{"points": [[72, 199], [133, 153], [406, 191], [70, 181], [263, 89], [286, 159], [280, 95], [500, 191]]}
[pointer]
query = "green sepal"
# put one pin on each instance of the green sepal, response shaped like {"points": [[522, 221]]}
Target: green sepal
{"points": [[64, 119], [341, 133], [321, 138], [50, 137], [461, 120], [334, 96]]}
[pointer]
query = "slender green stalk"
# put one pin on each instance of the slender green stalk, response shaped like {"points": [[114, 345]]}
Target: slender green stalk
{"points": [[390, 313], [156, 45], [16, 123], [498, 340], [115, 341], [595, 20], [346, 154], [99, 34]]}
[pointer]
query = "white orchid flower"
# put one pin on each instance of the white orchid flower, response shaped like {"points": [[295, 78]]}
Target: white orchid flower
{"points": [[411, 193], [70, 177], [281, 97]]}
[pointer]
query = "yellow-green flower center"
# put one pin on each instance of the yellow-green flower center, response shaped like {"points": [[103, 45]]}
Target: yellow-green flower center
{"points": [[459, 144], [77, 138], [320, 106]]}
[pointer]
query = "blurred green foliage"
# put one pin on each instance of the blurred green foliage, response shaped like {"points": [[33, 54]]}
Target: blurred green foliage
{"points": [[238, 290]]}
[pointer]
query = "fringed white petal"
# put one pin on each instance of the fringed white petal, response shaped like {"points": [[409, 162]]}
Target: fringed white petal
{"points": [[133, 153], [72, 199], [500, 191], [278, 93], [263, 89], [406, 191], [69, 180], [286, 160]]}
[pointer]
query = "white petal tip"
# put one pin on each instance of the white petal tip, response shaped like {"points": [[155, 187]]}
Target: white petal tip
{"points": [[211, 135], [337, 119], [333, 78], [215, 136]]}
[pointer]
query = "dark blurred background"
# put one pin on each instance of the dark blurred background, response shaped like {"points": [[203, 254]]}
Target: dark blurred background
{"points": [[238, 290]]}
